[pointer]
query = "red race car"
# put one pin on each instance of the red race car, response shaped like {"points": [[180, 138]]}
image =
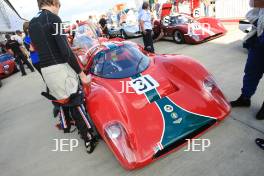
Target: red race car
{"points": [[7, 65], [145, 105], [185, 29]]}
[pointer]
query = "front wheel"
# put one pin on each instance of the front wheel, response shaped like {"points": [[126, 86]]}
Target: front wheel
{"points": [[178, 37], [1, 83]]}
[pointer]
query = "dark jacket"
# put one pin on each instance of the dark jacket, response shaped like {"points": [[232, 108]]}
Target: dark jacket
{"points": [[15, 47], [51, 45]]}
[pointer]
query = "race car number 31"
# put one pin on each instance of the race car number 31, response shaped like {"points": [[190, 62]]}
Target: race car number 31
{"points": [[143, 84]]}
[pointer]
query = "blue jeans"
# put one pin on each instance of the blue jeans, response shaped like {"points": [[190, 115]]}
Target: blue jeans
{"points": [[254, 70], [206, 11]]}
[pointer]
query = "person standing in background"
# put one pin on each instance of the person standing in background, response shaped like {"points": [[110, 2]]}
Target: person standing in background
{"points": [[176, 6], [2, 48], [254, 68], [103, 24], [146, 27], [118, 18], [92, 20], [19, 38], [95, 24], [14, 48], [206, 4], [151, 5], [27, 43], [109, 17], [157, 9]]}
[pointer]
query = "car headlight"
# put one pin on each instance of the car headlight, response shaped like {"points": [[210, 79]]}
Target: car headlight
{"points": [[6, 67], [209, 84], [113, 131], [117, 135], [214, 91]]}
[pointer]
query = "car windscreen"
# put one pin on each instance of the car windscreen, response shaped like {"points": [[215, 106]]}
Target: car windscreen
{"points": [[180, 19], [5, 57], [119, 62]]}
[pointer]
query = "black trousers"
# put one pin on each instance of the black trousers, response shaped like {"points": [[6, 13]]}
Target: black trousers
{"points": [[148, 41], [81, 119], [254, 71], [20, 59]]}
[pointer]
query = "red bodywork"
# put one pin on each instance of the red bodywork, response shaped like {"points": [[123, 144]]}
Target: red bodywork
{"points": [[7, 67], [180, 78], [208, 28]]}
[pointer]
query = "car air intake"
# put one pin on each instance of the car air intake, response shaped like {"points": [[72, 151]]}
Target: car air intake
{"points": [[183, 140]]}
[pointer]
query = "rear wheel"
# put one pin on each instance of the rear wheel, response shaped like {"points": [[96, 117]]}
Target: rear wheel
{"points": [[1, 83], [178, 37]]}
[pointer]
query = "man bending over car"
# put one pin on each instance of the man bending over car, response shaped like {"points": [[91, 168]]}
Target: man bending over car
{"points": [[60, 70]]}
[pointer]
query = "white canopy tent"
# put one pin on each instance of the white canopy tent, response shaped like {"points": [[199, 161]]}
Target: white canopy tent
{"points": [[10, 20], [226, 9]]}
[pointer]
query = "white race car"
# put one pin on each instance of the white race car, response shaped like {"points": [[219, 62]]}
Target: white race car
{"points": [[129, 26]]}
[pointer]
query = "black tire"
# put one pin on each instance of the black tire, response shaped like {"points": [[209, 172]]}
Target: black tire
{"points": [[123, 34], [178, 37], [1, 83]]}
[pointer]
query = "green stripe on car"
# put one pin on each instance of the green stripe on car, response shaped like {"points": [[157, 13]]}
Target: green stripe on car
{"points": [[178, 122]]}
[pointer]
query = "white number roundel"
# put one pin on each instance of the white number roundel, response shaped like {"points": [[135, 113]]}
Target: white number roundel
{"points": [[143, 84], [166, 21], [196, 13]]}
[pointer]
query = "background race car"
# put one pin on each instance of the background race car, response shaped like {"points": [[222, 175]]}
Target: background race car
{"points": [[7, 65], [185, 29], [128, 27]]}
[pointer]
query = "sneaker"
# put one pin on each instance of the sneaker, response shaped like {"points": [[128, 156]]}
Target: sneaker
{"points": [[260, 114], [241, 102], [260, 143]]}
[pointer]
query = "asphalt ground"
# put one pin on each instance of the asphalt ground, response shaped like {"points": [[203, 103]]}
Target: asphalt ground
{"points": [[27, 129]]}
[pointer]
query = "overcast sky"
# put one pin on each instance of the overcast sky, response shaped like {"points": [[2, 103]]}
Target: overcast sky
{"points": [[70, 9]]}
